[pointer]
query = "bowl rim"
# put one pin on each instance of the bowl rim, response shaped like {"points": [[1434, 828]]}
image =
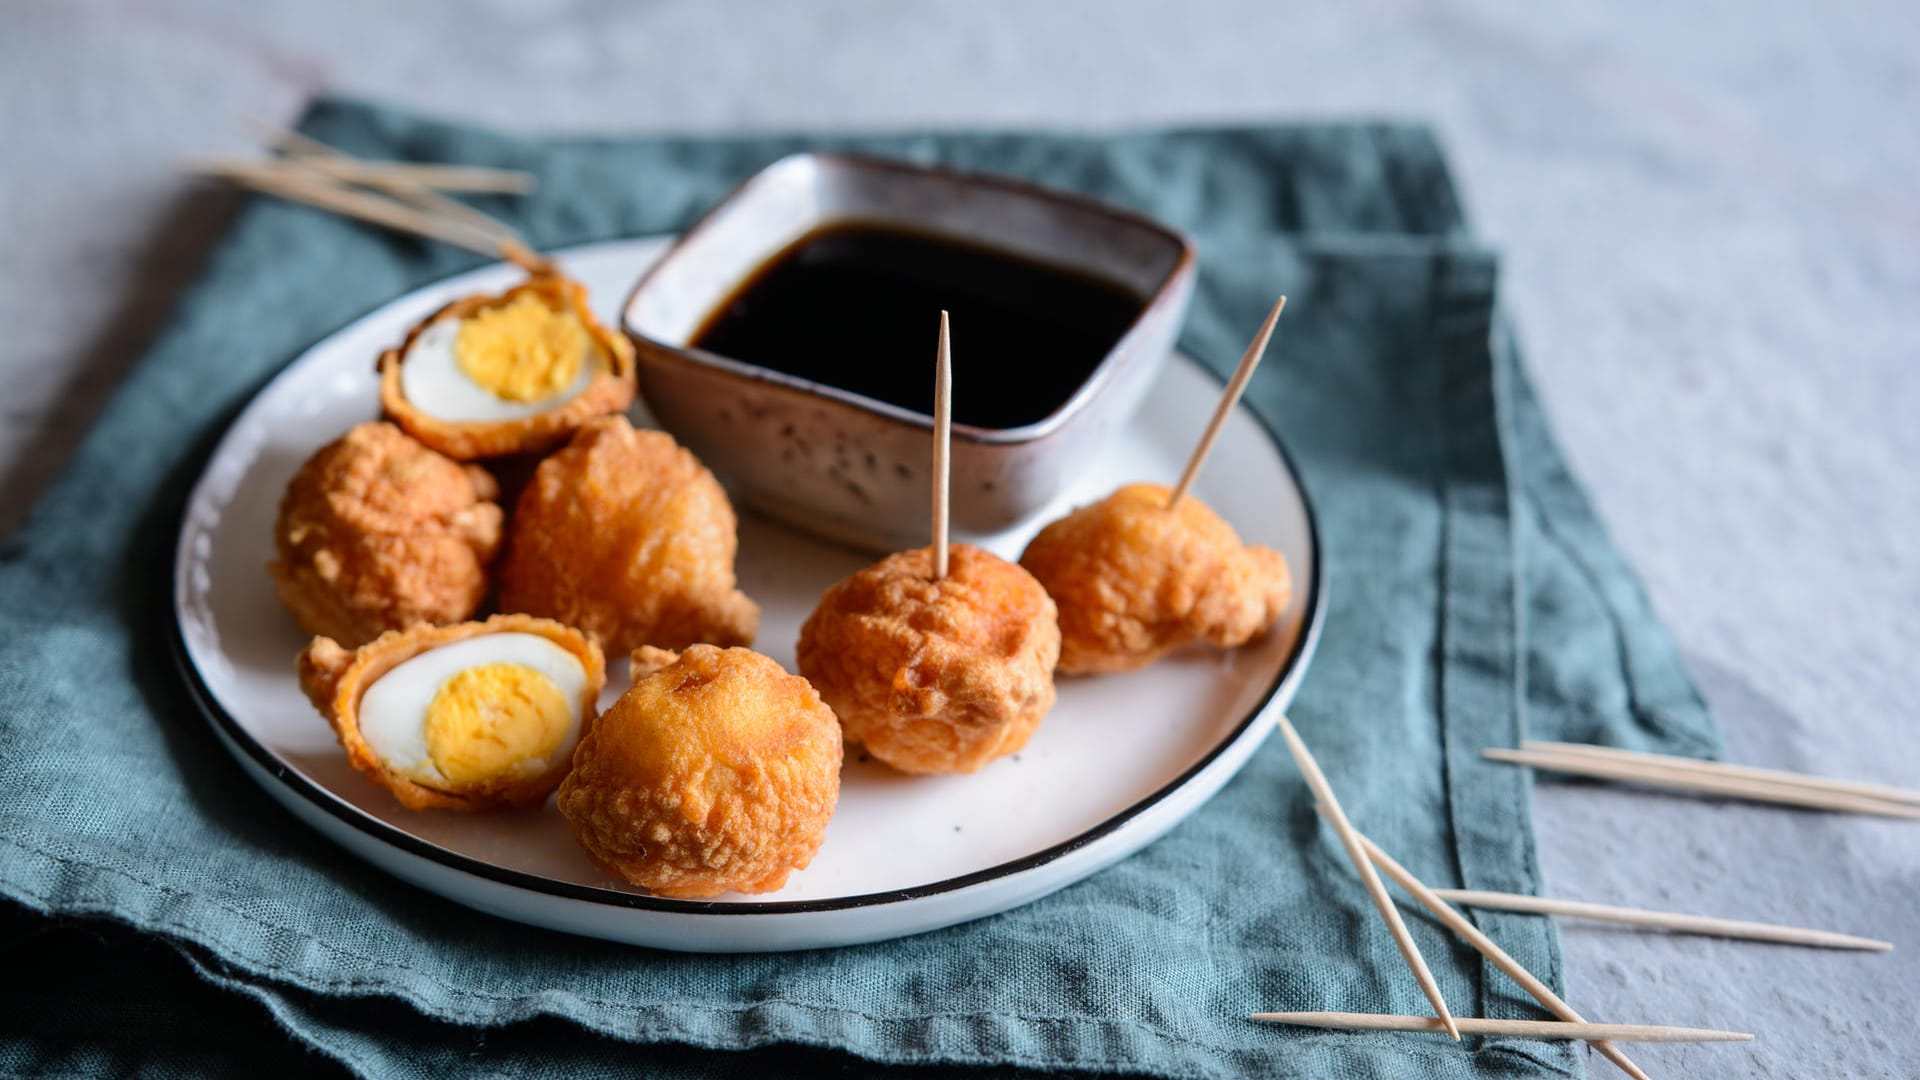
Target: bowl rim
{"points": [[650, 348]]}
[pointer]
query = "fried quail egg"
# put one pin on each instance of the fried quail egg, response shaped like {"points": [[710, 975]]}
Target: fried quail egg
{"points": [[480, 712], [517, 373], [503, 363], [473, 716]]}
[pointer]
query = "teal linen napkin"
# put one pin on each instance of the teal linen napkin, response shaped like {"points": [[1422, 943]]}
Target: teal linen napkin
{"points": [[1473, 596]]}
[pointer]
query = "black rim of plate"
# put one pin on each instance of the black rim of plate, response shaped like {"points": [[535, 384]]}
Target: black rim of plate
{"points": [[410, 844]]}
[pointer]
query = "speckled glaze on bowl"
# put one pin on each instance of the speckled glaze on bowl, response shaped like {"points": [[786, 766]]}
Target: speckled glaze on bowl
{"points": [[849, 466]]}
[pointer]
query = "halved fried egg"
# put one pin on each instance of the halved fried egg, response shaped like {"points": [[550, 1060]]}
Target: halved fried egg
{"points": [[501, 363], [471, 716], [480, 712], [518, 373]]}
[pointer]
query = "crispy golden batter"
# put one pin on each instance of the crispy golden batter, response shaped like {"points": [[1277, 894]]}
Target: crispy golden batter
{"points": [[376, 532], [334, 678], [717, 772], [935, 676], [1135, 580], [646, 660], [628, 537], [610, 391]]}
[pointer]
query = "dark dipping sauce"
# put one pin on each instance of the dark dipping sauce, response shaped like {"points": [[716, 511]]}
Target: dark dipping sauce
{"points": [[857, 307]]}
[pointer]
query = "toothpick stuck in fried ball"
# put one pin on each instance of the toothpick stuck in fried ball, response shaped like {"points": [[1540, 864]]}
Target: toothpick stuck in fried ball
{"points": [[935, 674], [1136, 579]]}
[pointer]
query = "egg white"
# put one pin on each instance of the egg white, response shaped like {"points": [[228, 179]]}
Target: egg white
{"points": [[393, 711], [431, 379]]}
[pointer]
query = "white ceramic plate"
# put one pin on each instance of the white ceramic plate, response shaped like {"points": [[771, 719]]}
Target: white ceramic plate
{"points": [[1117, 763]]}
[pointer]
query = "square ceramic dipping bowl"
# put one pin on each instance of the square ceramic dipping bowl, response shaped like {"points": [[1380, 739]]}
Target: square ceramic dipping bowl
{"points": [[855, 468]]}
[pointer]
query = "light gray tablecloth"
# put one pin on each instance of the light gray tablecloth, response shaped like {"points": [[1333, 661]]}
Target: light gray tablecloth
{"points": [[1735, 374]]}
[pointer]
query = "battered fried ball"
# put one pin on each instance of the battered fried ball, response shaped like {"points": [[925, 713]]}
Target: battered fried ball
{"points": [[935, 675], [1135, 580], [627, 536], [376, 532], [717, 771], [470, 717]]}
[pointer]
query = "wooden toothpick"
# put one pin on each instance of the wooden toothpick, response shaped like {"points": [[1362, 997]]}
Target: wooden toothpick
{"points": [[1737, 787], [1235, 387], [1720, 768], [942, 439], [1495, 955], [417, 185], [466, 178], [1529, 1029], [1356, 851], [298, 182], [1678, 922], [402, 187]]}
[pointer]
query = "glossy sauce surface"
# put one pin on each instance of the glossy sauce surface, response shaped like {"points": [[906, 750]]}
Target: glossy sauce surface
{"points": [[857, 306]]}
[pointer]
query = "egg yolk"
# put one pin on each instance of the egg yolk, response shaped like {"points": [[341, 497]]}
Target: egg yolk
{"points": [[523, 350], [487, 720]]}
